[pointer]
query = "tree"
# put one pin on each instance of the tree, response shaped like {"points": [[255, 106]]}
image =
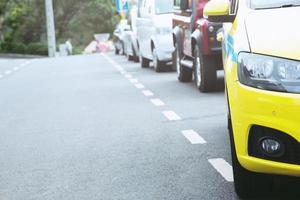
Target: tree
{"points": [[81, 20], [3, 5], [24, 21]]}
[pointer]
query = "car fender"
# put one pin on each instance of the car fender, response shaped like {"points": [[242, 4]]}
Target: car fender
{"points": [[196, 39], [164, 46], [135, 44], [155, 43], [178, 38]]}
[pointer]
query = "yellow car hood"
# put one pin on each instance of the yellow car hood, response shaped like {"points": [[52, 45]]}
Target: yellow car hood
{"points": [[275, 32]]}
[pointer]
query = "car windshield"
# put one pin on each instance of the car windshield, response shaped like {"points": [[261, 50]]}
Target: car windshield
{"points": [[263, 4], [163, 7]]}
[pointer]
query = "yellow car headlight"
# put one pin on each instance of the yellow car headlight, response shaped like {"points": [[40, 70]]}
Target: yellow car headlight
{"points": [[269, 73]]}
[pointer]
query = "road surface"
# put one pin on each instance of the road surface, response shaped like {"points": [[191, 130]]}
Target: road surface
{"points": [[98, 127]]}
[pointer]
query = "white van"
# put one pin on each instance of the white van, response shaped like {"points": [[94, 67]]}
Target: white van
{"points": [[130, 42], [154, 33]]}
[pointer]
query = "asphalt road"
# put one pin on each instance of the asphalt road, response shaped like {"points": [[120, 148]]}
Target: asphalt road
{"points": [[98, 127]]}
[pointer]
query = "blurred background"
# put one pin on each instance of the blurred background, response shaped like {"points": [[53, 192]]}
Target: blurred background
{"points": [[23, 27]]}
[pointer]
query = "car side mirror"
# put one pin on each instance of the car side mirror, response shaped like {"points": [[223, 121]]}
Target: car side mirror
{"points": [[184, 4], [218, 11]]}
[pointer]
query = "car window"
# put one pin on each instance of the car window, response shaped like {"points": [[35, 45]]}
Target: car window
{"points": [[146, 8], [263, 4], [190, 4], [177, 3], [233, 7], [162, 7]]}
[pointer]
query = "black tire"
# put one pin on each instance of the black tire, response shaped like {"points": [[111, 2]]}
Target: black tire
{"points": [[135, 57], [205, 72], [158, 65], [247, 184], [145, 62], [184, 74], [123, 49], [174, 58], [117, 51], [130, 58]]}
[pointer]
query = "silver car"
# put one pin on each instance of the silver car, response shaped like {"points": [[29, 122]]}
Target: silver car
{"points": [[119, 37], [131, 47], [154, 33]]}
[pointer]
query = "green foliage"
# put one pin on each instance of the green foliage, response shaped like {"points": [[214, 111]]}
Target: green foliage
{"points": [[20, 48], [77, 50], [37, 49], [23, 23]]}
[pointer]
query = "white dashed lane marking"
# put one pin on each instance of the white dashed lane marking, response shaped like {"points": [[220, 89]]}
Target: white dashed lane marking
{"points": [[157, 102], [8, 72], [16, 68], [133, 80], [193, 137], [171, 115], [128, 76], [114, 64], [147, 93], [223, 167], [139, 86]]}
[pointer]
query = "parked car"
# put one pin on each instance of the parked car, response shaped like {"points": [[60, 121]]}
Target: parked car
{"points": [[131, 47], [119, 36], [154, 33], [198, 52], [262, 76]]}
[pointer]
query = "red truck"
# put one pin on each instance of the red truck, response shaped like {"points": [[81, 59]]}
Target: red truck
{"points": [[198, 53]]}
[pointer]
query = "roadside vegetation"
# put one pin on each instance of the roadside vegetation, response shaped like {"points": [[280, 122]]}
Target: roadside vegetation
{"points": [[23, 23]]}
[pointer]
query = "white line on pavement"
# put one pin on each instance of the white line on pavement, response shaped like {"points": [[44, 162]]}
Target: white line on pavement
{"points": [[119, 68], [139, 86], [157, 102], [128, 76], [8, 72], [147, 93], [1, 76], [171, 115], [16, 68], [223, 167], [133, 80], [193, 137], [114, 64]]}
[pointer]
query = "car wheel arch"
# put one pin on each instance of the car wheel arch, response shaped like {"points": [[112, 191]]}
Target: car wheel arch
{"points": [[196, 40], [177, 37]]}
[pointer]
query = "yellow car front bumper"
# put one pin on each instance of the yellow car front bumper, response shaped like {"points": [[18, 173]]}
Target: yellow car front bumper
{"points": [[280, 111]]}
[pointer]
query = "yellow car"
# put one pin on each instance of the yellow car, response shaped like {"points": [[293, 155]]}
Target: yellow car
{"points": [[261, 57]]}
